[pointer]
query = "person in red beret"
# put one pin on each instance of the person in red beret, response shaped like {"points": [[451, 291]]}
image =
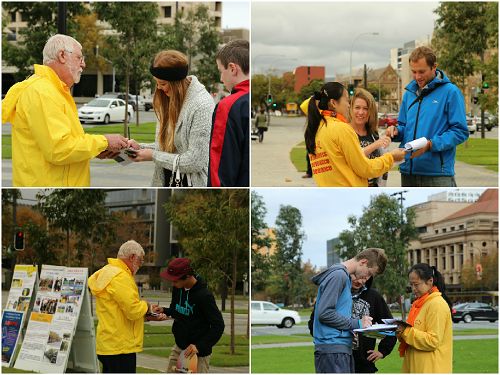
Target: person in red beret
{"points": [[198, 323]]}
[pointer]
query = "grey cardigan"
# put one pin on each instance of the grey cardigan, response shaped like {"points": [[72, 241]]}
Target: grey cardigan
{"points": [[191, 138]]}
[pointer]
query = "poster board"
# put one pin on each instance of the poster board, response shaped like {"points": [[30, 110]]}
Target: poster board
{"points": [[19, 302], [53, 322]]}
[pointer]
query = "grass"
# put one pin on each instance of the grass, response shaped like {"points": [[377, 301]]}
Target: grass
{"points": [[144, 133], [478, 151], [475, 331], [482, 152], [275, 339], [469, 356]]}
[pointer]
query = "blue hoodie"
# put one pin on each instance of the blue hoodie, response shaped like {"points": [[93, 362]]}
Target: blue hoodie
{"points": [[438, 114], [333, 324]]}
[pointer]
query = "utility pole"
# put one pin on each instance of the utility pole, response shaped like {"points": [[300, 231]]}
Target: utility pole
{"points": [[401, 199], [61, 18]]}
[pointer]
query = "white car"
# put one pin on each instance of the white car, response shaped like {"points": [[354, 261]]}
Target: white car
{"points": [[268, 313], [104, 110]]}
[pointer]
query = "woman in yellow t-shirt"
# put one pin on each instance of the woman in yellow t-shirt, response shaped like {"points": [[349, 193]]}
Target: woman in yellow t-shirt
{"points": [[333, 146], [427, 346]]}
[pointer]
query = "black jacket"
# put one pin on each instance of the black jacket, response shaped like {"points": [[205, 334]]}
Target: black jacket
{"points": [[378, 311], [197, 319]]}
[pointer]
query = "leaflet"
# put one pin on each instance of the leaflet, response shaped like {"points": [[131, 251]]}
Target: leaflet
{"points": [[415, 145]]}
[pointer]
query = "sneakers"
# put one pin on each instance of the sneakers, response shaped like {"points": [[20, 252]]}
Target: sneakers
{"points": [[306, 176]]}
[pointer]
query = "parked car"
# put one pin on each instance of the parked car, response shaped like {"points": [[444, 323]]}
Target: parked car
{"points": [[388, 119], [488, 126], [104, 110], [471, 124], [268, 313], [122, 95], [474, 311], [148, 103]]}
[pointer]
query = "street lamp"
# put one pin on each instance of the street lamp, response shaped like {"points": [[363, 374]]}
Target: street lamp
{"points": [[352, 46]]}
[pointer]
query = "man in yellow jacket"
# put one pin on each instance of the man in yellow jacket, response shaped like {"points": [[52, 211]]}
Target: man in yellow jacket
{"points": [[120, 311], [49, 146]]}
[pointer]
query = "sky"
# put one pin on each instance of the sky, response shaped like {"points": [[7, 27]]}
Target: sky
{"points": [[235, 14], [325, 211], [322, 33]]}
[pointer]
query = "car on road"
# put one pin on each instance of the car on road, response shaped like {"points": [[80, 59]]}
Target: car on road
{"points": [[267, 313], [122, 95], [387, 119], [471, 124], [104, 110], [488, 126], [467, 312]]}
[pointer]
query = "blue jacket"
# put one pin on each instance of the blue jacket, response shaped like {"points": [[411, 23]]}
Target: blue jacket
{"points": [[438, 114], [333, 325]]}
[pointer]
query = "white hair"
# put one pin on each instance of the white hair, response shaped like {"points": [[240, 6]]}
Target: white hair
{"points": [[130, 248], [56, 43]]}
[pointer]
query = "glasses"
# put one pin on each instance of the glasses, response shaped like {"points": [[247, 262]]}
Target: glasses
{"points": [[81, 57]]}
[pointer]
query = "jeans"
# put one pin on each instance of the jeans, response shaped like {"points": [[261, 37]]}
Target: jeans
{"points": [[431, 181]]}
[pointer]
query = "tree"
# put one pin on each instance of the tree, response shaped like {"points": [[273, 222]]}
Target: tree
{"points": [[488, 279], [308, 90], [381, 226], [40, 18], [464, 33], [137, 37], [287, 280], [213, 231], [74, 210], [261, 265]]}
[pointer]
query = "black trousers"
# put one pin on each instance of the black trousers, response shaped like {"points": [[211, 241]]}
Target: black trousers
{"points": [[119, 363]]}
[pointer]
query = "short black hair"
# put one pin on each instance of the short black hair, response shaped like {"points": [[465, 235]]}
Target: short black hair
{"points": [[237, 52]]}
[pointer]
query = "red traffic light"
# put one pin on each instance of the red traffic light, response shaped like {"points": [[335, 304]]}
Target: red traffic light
{"points": [[19, 240]]}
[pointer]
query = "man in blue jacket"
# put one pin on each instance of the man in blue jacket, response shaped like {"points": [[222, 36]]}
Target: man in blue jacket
{"points": [[433, 108], [333, 325]]}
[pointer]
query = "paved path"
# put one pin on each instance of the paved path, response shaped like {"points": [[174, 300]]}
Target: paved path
{"points": [[310, 343], [160, 364], [271, 165]]}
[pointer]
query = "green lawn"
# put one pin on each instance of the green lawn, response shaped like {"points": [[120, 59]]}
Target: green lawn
{"points": [[275, 339], [469, 356], [478, 151], [475, 151], [144, 133]]}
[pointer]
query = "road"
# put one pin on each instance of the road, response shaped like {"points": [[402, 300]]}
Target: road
{"points": [[271, 165]]}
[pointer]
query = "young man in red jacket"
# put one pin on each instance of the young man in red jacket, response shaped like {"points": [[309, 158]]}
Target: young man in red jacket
{"points": [[229, 140]]}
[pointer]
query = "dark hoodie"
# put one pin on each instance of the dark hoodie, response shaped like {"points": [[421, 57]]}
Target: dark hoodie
{"points": [[197, 319], [378, 311]]}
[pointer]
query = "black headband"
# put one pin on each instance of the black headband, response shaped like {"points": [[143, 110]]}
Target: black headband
{"points": [[169, 74]]}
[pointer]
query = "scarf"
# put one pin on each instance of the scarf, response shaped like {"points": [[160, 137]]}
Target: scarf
{"points": [[415, 309]]}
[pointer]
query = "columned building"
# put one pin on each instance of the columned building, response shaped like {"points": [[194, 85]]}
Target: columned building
{"points": [[453, 234]]}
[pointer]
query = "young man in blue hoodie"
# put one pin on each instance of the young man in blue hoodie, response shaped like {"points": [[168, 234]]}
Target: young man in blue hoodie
{"points": [[198, 322], [333, 325], [433, 108]]}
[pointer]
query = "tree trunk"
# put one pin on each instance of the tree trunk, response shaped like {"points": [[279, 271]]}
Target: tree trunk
{"points": [[233, 293]]}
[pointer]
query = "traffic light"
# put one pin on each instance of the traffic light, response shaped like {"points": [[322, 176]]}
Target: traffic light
{"points": [[486, 85], [274, 105], [350, 89], [19, 240], [269, 98]]}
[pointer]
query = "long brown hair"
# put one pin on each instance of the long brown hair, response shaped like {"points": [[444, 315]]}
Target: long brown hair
{"points": [[168, 108], [372, 124]]}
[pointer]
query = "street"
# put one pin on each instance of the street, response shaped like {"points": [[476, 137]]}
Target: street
{"points": [[271, 165]]}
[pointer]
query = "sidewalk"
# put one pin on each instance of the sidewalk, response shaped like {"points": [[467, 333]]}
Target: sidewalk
{"points": [[271, 165], [160, 364]]}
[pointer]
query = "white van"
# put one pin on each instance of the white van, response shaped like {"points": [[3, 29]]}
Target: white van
{"points": [[268, 313]]}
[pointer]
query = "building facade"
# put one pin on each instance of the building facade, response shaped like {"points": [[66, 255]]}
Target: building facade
{"points": [[305, 74], [455, 234]]}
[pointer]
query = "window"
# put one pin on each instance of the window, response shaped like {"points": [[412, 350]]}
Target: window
{"points": [[452, 229], [13, 17], [167, 12], [484, 244], [255, 306], [461, 226], [444, 230], [269, 306]]}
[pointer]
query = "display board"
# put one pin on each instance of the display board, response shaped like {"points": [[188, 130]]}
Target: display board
{"points": [[16, 309], [55, 320]]}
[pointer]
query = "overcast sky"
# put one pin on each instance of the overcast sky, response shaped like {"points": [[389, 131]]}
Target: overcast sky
{"points": [[322, 33], [325, 211], [235, 14]]}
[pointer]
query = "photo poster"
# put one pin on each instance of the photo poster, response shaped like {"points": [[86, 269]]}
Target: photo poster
{"points": [[54, 319], [17, 307]]}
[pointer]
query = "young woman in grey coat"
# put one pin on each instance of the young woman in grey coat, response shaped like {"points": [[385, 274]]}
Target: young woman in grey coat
{"points": [[184, 109]]}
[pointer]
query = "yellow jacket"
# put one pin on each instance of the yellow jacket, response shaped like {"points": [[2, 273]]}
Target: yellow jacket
{"points": [[119, 309], [339, 158], [49, 146], [430, 339]]}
